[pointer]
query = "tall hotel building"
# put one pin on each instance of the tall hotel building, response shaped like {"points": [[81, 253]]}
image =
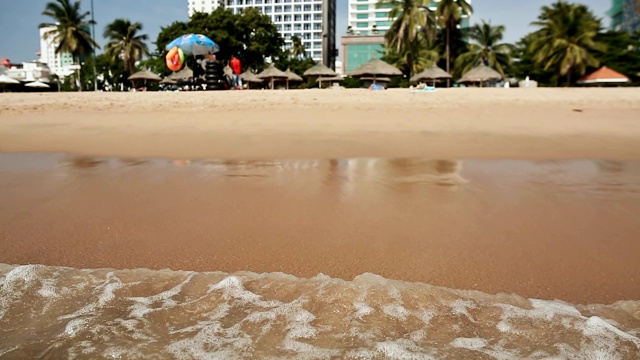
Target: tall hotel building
{"points": [[625, 15], [366, 28], [58, 63], [313, 21]]}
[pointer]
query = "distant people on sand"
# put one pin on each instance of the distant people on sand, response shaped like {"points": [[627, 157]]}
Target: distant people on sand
{"points": [[236, 66], [375, 86]]}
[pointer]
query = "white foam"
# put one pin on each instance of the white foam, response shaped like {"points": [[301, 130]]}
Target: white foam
{"points": [[469, 343], [141, 307], [395, 311], [401, 349], [362, 309]]}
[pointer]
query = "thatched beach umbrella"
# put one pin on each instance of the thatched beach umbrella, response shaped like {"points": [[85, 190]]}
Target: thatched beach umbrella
{"points": [[375, 68], [168, 81], [320, 70], [184, 73], [480, 73], [37, 84], [432, 73], [249, 76], [272, 73], [144, 75], [293, 77]]}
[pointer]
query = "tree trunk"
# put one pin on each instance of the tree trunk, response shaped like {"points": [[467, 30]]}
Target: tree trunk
{"points": [[448, 59]]}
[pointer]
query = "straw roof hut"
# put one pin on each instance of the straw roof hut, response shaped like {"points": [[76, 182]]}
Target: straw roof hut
{"points": [[480, 73], [603, 76], [184, 73], [293, 77], [144, 75], [320, 70], [375, 68], [168, 81], [271, 73], [432, 73], [249, 76]]}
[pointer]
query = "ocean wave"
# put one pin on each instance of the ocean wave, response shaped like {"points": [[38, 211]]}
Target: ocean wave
{"points": [[69, 313]]}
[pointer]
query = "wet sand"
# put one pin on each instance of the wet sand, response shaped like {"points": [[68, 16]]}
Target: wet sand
{"points": [[550, 229]]}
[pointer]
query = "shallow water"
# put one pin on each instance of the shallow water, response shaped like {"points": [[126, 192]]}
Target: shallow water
{"points": [[53, 312], [267, 228]]}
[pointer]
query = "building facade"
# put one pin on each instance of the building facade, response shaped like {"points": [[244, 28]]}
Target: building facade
{"points": [[58, 64], [313, 21], [625, 15], [366, 28]]}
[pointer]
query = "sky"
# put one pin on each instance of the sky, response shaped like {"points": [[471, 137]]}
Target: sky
{"points": [[19, 19]]}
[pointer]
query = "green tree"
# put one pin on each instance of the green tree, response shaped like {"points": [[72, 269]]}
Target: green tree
{"points": [[70, 30], [250, 35], [407, 30], [486, 48], [450, 12], [125, 43], [623, 52], [566, 41], [297, 49], [420, 56]]}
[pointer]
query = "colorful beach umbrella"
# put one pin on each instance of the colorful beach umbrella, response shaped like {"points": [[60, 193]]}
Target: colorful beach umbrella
{"points": [[194, 44]]}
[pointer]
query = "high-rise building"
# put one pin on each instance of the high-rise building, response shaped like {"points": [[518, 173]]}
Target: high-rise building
{"points": [[58, 63], [365, 18], [625, 15], [313, 21], [365, 33], [204, 6]]}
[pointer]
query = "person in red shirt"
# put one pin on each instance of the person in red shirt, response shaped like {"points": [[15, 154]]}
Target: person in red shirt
{"points": [[236, 66]]}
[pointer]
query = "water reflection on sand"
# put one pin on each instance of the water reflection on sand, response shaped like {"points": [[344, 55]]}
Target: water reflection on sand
{"points": [[553, 229]]}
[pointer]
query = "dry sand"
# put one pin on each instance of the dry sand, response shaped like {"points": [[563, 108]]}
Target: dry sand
{"points": [[579, 247], [450, 123]]}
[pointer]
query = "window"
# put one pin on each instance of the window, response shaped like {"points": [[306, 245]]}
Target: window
{"points": [[307, 17], [287, 18], [287, 8], [307, 27], [307, 8], [279, 27], [278, 9], [317, 26], [317, 16], [317, 44], [362, 7], [238, 2], [384, 23], [297, 26], [362, 25], [317, 35], [277, 18], [287, 27], [384, 15], [362, 16], [317, 7], [306, 36], [267, 9], [297, 17], [297, 8]]}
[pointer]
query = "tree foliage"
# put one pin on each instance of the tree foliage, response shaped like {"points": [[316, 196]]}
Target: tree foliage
{"points": [[70, 29], [566, 41], [125, 43], [485, 48], [251, 36]]}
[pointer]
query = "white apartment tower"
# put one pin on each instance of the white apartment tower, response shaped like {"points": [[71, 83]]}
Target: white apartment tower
{"points": [[205, 6], [366, 19], [313, 21], [58, 63]]}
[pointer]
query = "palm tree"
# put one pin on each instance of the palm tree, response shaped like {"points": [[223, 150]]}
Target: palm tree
{"points": [[125, 43], [420, 56], [297, 49], [412, 22], [486, 50], [449, 12], [566, 41], [70, 29]]}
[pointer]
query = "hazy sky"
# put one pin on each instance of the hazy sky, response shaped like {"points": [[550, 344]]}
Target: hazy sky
{"points": [[19, 19]]}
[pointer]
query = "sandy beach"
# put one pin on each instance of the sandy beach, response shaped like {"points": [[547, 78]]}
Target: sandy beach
{"points": [[494, 234], [447, 124]]}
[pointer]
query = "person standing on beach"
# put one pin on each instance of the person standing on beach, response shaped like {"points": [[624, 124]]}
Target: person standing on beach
{"points": [[236, 66]]}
